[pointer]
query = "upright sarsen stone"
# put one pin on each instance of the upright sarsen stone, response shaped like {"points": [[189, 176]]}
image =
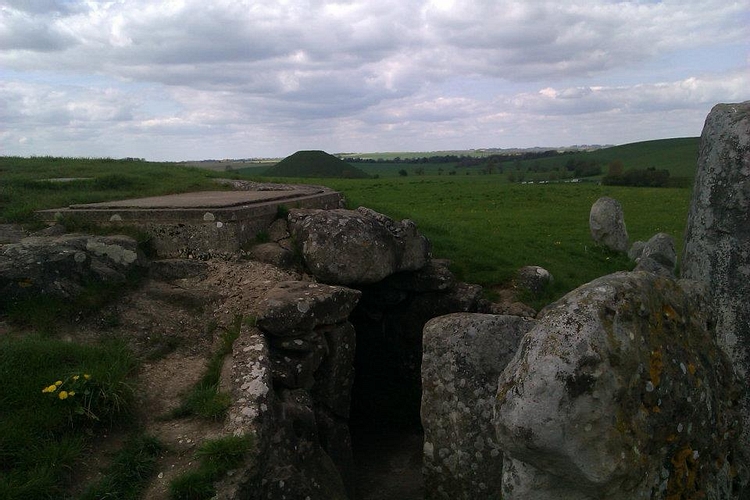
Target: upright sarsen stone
{"points": [[717, 238], [607, 224], [463, 357]]}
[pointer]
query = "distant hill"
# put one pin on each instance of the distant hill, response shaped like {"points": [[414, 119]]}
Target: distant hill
{"points": [[314, 164]]}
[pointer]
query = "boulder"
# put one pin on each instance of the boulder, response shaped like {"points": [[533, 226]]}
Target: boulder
{"points": [[534, 279], [433, 277], [62, 266], [621, 392], [356, 246], [300, 305], [607, 224], [636, 249], [272, 253], [658, 255], [717, 236], [463, 356]]}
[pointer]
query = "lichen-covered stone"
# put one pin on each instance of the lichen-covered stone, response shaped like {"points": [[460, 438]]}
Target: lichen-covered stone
{"points": [[717, 236], [658, 255], [534, 279], [300, 305], [462, 359], [356, 246], [607, 224], [61, 266], [621, 392]]}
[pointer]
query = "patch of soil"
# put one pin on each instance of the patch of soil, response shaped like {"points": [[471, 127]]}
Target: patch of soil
{"points": [[174, 328]]}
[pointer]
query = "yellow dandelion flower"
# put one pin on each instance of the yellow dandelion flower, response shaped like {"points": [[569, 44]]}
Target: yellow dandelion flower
{"points": [[52, 388], [86, 376], [71, 393], [58, 383], [63, 395], [76, 377]]}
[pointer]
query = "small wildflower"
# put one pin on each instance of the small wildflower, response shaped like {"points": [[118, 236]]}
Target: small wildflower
{"points": [[58, 383], [71, 393], [76, 377], [63, 395], [86, 376]]}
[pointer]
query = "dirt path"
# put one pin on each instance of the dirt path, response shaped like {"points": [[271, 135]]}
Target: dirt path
{"points": [[388, 464]]}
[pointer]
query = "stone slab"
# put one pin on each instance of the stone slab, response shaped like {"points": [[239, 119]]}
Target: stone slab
{"points": [[201, 224], [201, 199]]}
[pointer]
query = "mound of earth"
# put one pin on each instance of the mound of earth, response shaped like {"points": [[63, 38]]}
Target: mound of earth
{"points": [[314, 164]]}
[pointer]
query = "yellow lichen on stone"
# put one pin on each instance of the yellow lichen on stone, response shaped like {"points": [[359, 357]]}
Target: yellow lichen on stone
{"points": [[655, 367], [682, 482]]}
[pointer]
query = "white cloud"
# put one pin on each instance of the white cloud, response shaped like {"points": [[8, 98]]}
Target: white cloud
{"points": [[279, 72]]}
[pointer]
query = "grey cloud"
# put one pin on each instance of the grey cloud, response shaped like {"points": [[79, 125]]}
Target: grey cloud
{"points": [[21, 31]]}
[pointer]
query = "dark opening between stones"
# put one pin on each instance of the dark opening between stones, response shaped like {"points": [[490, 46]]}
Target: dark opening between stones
{"points": [[385, 419]]}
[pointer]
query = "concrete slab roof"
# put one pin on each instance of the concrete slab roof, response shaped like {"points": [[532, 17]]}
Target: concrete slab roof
{"points": [[200, 199]]}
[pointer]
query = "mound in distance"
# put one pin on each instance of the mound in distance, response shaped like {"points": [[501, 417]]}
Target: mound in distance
{"points": [[314, 164]]}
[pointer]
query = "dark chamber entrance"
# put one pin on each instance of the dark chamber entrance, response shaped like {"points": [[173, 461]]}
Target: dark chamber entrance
{"points": [[385, 422]]}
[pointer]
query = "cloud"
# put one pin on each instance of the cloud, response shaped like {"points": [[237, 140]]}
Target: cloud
{"points": [[278, 71]]}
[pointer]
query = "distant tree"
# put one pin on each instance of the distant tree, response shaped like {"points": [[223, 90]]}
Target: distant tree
{"points": [[615, 168], [440, 170], [419, 170], [403, 173]]}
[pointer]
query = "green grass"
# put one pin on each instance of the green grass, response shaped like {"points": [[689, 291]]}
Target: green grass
{"points": [[128, 474], [216, 458], [25, 186], [41, 436], [204, 399], [490, 228]]}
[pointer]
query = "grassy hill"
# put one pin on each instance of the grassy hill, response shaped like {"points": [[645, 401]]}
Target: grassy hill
{"points": [[314, 164], [676, 155]]}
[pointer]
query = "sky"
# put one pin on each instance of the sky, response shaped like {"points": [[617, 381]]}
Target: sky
{"points": [[198, 79]]}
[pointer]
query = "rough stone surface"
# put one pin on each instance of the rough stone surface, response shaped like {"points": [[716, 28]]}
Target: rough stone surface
{"points": [[717, 237], [272, 253], [658, 255], [534, 279], [251, 411], [61, 266], [300, 305], [463, 356], [433, 277], [621, 392], [636, 249], [607, 224], [356, 246], [174, 269]]}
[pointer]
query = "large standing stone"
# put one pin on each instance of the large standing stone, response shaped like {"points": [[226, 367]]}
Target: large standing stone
{"points": [[463, 356], [356, 246], [621, 392], [607, 224], [717, 237]]}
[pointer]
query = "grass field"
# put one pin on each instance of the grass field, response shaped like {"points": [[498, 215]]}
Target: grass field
{"points": [[25, 183], [490, 228], [487, 226]]}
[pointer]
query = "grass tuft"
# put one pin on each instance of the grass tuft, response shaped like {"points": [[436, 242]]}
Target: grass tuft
{"points": [[130, 471], [41, 435], [216, 457], [205, 399]]}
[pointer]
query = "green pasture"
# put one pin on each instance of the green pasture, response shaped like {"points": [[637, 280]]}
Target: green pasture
{"points": [[490, 228], [28, 184]]}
